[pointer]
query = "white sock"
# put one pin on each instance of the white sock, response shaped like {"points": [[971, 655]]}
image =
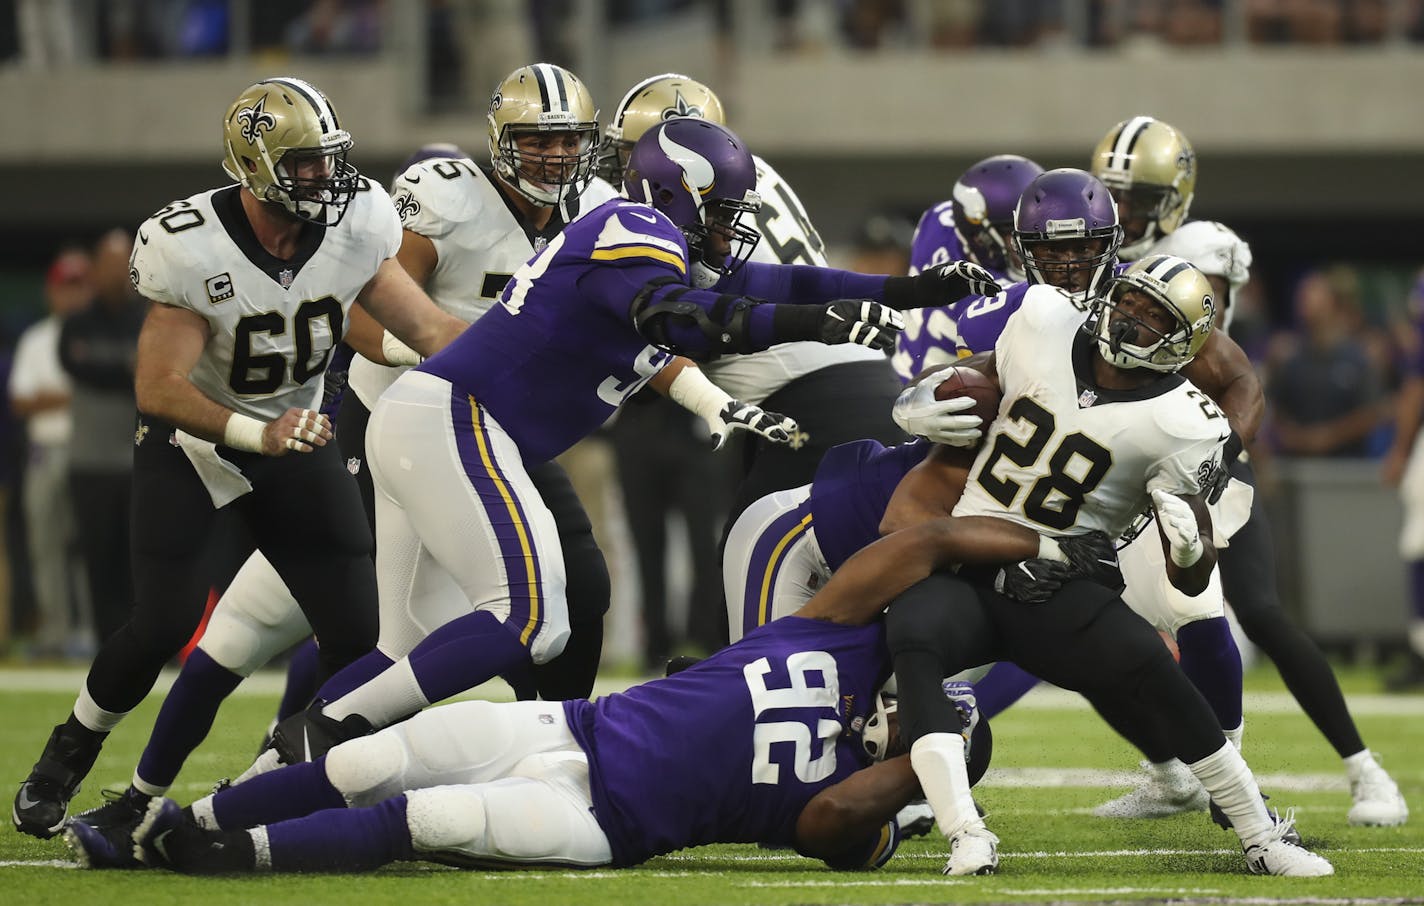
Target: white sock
{"points": [[1227, 778], [203, 815], [938, 760], [261, 848], [385, 698], [148, 789], [88, 712], [1234, 736], [1355, 764]]}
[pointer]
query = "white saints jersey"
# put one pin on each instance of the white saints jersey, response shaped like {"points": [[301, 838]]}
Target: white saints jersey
{"points": [[273, 323], [1065, 456], [479, 240], [787, 237]]}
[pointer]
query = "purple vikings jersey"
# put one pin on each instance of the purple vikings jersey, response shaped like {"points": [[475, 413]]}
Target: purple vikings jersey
{"points": [[732, 749], [851, 490], [980, 319], [559, 353], [931, 336]]}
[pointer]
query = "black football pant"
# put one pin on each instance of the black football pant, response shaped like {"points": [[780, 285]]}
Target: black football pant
{"points": [[1248, 577], [303, 513], [1084, 638], [572, 673]]}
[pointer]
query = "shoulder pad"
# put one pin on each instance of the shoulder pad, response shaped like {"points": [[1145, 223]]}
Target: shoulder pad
{"points": [[433, 196], [159, 252], [1189, 414], [635, 233]]}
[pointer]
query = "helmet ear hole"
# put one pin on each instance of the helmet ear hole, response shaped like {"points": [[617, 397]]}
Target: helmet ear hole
{"points": [[249, 164], [665, 197]]}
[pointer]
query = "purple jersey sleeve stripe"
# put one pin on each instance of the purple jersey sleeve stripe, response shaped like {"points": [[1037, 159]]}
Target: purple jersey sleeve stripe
{"points": [[505, 513], [768, 555]]}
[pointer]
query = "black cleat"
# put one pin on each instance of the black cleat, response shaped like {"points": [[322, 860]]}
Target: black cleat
{"points": [[103, 847], [42, 803], [311, 734], [1291, 835], [167, 838], [121, 810]]}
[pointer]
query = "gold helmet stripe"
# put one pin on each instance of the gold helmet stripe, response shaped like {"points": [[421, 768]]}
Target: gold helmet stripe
{"points": [[1127, 140], [325, 115], [551, 84]]}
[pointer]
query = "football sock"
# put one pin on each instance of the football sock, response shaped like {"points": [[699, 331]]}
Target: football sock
{"points": [[1227, 778], [463, 653], [1211, 660], [938, 760], [292, 792], [88, 716], [353, 675], [1004, 684], [303, 679], [183, 721], [1355, 764], [357, 839], [1237, 735]]}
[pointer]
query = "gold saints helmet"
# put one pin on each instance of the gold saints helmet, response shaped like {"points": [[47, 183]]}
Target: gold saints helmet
{"points": [[286, 146], [543, 98], [1176, 285], [1151, 170], [646, 104]]}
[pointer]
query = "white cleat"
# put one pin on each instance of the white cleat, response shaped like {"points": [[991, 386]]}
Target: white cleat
{"points": [[1170, 789], [973, 851], [1276, 855], [1378, 802]]}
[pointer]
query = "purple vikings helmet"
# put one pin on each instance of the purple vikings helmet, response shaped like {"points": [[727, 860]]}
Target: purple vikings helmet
{"points": [[1066, 232], [983, 203], [702, 177]]}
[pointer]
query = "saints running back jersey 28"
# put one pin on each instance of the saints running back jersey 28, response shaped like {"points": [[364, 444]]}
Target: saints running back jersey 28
{"points": [[479, 240], [1065, 456], [274, 323]]}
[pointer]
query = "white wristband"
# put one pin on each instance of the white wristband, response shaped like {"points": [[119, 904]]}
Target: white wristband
{"points": [[396, 352], [1048, 549], [243, 433], [692, 391]]}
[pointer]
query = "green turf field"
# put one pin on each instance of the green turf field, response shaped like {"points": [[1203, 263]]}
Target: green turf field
{"points": [[1051, 764]]}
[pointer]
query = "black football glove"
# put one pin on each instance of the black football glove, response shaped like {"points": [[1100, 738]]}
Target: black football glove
{"points": [[1033, 581], [740, 416], [1093, 557], [947, 283], [862, 322]]}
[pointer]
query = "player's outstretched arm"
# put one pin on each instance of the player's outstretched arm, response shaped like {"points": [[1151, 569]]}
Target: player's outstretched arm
{"points": [[403, 308], [850, 825], [877, 574], [685, 384]]}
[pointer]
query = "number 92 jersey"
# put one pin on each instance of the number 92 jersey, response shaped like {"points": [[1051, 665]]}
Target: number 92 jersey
{"points": [[1065, 456], [273, 322]]}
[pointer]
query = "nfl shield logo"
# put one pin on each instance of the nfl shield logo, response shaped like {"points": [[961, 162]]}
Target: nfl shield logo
{"points": [[353, 465], [1086, 399], [285, 277]]}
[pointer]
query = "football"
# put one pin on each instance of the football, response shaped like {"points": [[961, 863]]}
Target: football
{"points": [[968, 382]]}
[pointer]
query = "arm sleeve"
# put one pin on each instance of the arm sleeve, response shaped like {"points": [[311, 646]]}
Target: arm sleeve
{"points": [[798, 284]]}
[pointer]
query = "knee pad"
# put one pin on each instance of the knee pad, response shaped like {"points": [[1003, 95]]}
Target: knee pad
{"points": [[242, 644], [368, 770], [447, 818]]}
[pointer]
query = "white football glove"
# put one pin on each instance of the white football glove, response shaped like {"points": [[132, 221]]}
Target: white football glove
{"points": [[862, 322], [1179, 524], [919, 414], [740, 416]]}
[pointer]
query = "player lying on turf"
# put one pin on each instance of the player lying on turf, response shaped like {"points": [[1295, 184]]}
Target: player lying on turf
{"points": [[759, 742]]}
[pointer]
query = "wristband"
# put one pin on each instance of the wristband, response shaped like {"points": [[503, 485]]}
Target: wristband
{"points": [[243, 433], [692, 391], [1048, 549], [396, 352]]}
